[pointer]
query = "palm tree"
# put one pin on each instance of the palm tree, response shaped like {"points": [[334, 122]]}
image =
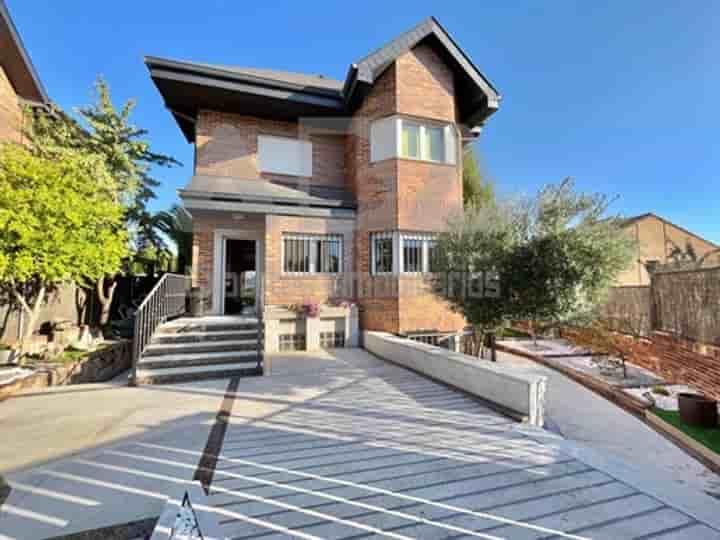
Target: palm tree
{"points": [[176, 225]]}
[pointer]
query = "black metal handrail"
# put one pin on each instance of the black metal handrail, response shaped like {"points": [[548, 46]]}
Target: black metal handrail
{"points": [[166, 300]]}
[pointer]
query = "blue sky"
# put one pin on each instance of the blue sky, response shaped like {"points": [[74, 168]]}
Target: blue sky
{"points": [[622, 96]]}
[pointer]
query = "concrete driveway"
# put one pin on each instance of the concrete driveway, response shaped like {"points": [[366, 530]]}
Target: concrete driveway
{"points": [[333, 446], [583, 416]]}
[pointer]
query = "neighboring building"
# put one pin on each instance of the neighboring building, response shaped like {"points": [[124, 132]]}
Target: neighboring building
{"points": [[19, 83], [659, 240], [329, 190]]}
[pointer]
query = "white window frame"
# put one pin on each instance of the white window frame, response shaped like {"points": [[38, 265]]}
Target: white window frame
{"points": [[313, 239], [386, 140], [373, 260], [284, 155], [398, 245]]}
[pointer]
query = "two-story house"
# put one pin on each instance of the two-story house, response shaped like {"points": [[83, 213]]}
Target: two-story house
{"points": [[313, 190]]}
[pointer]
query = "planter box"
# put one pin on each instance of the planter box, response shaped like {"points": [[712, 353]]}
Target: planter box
{"points": [[331, 319]]}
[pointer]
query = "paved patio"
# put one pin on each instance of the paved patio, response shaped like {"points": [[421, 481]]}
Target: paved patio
{"points": [[346, 446]]}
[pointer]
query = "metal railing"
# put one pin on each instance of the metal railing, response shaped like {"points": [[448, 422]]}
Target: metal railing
{"points": [[165, 300]]}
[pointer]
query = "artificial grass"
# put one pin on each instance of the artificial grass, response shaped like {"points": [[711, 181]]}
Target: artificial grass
{"points": [[707, 437]]}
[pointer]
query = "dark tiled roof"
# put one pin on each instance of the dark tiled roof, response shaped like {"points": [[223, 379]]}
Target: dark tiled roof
{"points": [[263, 191], [376, 62], [301, 79]]}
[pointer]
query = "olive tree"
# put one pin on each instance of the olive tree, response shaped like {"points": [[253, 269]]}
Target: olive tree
{"points": [[554, 256]]}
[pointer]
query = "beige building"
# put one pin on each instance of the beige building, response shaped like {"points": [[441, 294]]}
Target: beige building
{"points": [[657, 240]]}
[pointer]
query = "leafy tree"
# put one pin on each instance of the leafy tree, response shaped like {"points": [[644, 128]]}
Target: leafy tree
{"points": [[59, 222], [471, 258], [477, 192], [108, 132], [569, 258], [554, 255], [176, 225]]}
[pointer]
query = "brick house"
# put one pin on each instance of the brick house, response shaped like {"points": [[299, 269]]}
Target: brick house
{"points": [[313, 190], [20, 85]]}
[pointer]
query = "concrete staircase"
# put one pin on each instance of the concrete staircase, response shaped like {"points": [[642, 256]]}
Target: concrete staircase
{"points": [[190, 349]]}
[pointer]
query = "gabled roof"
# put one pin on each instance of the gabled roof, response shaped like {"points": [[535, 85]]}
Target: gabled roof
{"points": [[474, 82], [189, 86], [16, 62], [634, 219]]}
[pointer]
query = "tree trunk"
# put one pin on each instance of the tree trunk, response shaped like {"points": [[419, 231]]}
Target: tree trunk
{"points": [[105, 299], [32, 312], [81, 303]]}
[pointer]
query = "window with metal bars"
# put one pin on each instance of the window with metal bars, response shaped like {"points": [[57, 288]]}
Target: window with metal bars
{"points": [[291, 342], [382, 253], [416, 252], [332, 340], [312, 254], [412, 255]]}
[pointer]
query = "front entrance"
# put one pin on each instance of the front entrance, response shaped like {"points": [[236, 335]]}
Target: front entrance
{"points": [[236, 275], [240, 277]]}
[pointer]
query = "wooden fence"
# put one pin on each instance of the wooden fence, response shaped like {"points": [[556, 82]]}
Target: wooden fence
{"points": [[685, 303]]}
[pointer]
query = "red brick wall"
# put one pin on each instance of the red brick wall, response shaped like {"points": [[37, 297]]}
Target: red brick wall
{"points": [[287, 289], [676, 359], [425, 85], [428, 194], [399, 194], [679, 361], [226, 145], [10, 111], [420, 309]]}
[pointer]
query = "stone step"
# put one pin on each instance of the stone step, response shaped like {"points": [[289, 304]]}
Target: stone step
{"points": [[182, 361], [193, 373], [194, 337], [209, 346], [209, 324]]}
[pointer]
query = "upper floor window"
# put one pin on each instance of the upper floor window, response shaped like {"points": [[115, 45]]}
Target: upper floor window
{"points": [[312, 254], [282, 155], [412, 139]]}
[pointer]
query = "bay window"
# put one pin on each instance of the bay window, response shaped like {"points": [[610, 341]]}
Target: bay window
{"points": [[421, 140], [312, 254]]}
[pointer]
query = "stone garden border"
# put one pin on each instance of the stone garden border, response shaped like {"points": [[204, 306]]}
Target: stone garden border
{"points": [[97, 366], [697, 450]]}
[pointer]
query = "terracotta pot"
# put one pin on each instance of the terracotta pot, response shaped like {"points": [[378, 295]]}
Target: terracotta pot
{"points": [[698, 410]]}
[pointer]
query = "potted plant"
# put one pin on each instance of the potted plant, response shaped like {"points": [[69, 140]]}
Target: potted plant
{"points": [[698, 410], [312, 310], [7, 354]]}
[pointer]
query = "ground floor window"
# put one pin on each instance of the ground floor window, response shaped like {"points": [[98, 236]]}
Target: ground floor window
{"points": [[291, 342], [402, 252], [332, 340], [312, 254]]}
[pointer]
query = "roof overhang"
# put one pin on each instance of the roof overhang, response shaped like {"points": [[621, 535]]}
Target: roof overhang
{"points": [[16, 62], [229, 194], [186, 88], [476, 96]]}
